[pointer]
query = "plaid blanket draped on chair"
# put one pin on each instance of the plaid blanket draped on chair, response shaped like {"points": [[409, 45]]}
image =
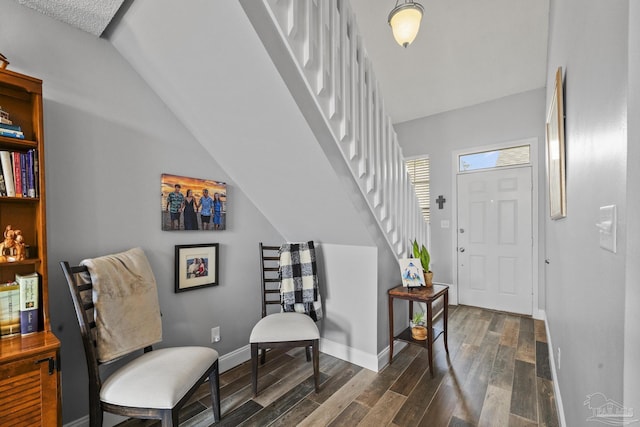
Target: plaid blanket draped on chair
{"points": [[299, 279]]}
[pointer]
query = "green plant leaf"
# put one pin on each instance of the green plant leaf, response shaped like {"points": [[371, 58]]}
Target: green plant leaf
{"points": [[416, 249], [425, 258], [418, 317]]}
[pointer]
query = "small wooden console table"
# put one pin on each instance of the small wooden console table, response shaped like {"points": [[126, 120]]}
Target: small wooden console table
{"points": [[427, 296]]}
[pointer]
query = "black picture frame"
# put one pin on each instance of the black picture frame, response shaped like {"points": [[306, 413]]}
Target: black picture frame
{"points": [[196, 266]]}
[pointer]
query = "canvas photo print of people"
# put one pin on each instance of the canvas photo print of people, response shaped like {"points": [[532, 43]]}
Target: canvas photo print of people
{"points": [[193, 203]]}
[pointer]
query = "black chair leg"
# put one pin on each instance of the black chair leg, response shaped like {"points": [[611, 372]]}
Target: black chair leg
{"points": [[307, 351], [214, 383], [316, 364], [254, 368], [95, 412]]}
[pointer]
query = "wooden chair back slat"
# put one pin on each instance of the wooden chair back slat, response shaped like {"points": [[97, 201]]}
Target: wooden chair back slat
{"points": [[269, 276]]}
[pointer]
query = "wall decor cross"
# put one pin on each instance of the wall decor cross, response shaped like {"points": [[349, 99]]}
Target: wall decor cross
{"points": [[440, 201]]}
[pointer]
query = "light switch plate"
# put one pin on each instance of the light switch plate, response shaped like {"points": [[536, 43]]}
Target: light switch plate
{"points": [[608, 227]]}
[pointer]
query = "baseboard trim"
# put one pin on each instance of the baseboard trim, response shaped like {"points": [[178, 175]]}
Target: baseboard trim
{"points": [[109, 420], [80, 422], [554, 373], [236, 357], [383, 356], [349, 354]]}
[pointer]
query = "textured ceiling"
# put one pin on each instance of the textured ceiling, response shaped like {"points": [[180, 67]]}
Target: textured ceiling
{"points": [[91, 16]]}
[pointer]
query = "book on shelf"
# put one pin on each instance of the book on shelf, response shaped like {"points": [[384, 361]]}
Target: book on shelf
{"points": [[31, 182], [28, 302], [5, 121], [4, 114], [11, 133], [3, 187], [9, 310], [36, 172], [8, 126], [23, 171], [17, 173], [7, 171]]}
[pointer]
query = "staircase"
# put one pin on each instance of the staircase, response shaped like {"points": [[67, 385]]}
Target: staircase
{"points": [[317, 49]]}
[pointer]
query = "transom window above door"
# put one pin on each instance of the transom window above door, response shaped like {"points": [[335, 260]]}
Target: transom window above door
{"points": [[511, 156]]}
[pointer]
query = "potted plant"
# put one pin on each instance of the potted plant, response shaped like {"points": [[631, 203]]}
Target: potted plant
{"points": [[423, 254], [418, 329]]}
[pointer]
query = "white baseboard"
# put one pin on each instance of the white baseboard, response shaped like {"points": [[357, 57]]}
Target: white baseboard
{"points": [[109, 420], [80, 422], [234, 358], [383, 356], [332, 348], [349, 354], [554, 373]]}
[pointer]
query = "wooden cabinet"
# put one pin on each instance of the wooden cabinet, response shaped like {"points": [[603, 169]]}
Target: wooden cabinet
{"points": [[29, 364]]}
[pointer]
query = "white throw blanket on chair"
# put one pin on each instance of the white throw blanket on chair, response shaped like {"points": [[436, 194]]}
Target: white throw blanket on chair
{"points": [[125, 295]]}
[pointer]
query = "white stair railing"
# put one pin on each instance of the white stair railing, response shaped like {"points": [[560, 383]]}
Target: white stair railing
{"points": [[323, 39]]}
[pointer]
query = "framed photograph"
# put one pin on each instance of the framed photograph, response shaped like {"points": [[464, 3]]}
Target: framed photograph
{"points": [[196, 266], [555, 152], [193, 203], [412, 272]]}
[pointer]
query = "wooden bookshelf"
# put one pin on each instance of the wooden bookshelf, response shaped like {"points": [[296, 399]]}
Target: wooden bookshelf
{"points": [[29, 364]]}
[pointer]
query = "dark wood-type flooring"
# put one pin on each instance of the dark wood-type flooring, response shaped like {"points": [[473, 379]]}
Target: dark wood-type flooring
{"points": [[497, 374]]}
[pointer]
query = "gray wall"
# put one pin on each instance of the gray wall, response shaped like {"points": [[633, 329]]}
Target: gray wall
{"points": [[108, 138], [586, 284], [632, 297], [271, 139], [506, 119]]}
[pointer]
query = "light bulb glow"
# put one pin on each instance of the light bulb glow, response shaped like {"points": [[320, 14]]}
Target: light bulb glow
{"points": [[405, 22]]}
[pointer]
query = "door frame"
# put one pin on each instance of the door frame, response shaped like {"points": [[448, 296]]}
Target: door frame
{"points": [[534, 164]]}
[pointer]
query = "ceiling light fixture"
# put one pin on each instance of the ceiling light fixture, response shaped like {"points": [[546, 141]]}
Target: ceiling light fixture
{"points": [[404, 20]]}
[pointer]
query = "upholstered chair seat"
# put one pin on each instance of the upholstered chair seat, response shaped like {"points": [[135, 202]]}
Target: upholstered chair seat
{"points": [[158, 379], [280, 327]]}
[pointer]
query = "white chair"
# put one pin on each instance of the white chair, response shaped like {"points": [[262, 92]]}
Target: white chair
{"points": [[154, 385], [288, 330]]}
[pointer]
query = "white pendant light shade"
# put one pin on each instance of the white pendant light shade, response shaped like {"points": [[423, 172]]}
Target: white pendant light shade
{"points": [[405, 22]]}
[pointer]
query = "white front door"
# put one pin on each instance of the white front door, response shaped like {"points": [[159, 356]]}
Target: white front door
{"points": [[495, 244]]}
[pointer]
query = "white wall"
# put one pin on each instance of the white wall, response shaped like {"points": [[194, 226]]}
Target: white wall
{"points": [[586, 284], [506, 119], [108, 138], [350, 299]]}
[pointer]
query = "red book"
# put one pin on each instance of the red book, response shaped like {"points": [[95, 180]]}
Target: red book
{"points": [[17, 173]]}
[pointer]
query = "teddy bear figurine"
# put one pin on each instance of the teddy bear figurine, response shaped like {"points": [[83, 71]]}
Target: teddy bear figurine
{"points": [[12, 247], [19, 244]]}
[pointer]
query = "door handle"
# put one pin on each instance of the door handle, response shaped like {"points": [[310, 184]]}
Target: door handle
{"points": [[461, 249]]}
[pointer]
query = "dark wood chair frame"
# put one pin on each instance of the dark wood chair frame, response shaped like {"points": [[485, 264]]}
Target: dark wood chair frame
{"points": [[168, 417], [270, 290]]}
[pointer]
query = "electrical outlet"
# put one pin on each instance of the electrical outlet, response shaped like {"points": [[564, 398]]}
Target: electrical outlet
{"points": [[559, 354], [215, 334]]}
